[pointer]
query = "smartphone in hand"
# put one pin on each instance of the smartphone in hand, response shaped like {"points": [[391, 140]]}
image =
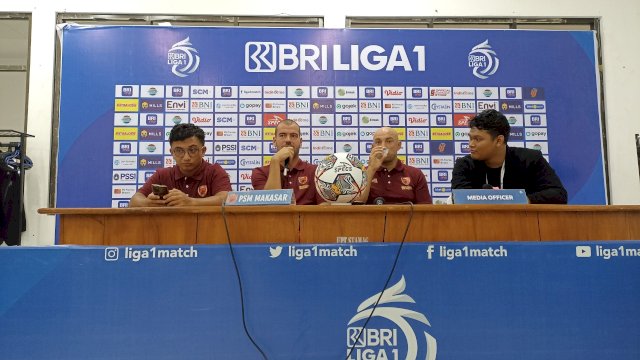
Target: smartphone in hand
{"points": [[160, 190]]}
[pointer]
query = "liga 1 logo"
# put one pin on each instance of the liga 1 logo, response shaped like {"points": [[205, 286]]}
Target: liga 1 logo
{"points": [[380, 339], [183, 58]]}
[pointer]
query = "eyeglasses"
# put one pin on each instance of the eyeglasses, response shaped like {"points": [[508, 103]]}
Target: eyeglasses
{"points": [[192, 150]]}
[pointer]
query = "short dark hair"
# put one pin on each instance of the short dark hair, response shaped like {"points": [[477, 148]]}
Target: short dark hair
{"points": [[184, 131], [493, 122], [287, 122]]}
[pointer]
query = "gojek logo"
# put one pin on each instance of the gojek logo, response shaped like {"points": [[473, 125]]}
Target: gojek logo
{"points": [[275, 252], [483, 60], [379, 340], [183, 58]]}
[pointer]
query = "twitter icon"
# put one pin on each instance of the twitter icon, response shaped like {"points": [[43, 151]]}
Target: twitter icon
{"points": [[275, 252]]}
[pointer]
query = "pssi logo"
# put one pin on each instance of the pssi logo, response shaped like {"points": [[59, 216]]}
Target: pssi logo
{"points": [[381, 338], [183, 58], [483, 60]]}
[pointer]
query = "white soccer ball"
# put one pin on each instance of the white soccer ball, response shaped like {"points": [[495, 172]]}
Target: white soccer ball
{"points": [[340, 177]]}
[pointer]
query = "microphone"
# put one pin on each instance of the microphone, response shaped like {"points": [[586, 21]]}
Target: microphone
{"points": [[379, 200], [487, 187], [286, 167]]}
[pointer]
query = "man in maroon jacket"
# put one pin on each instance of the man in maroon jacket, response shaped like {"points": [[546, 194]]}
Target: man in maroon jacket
{"points": [[192, 181], [287, 170], [388, 179]]}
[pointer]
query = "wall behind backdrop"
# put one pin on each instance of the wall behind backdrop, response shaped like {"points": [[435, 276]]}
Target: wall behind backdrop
{"points": [[620, 54]]}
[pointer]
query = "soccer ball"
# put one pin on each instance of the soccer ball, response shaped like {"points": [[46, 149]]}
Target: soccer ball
{"points": [[340, 177]]}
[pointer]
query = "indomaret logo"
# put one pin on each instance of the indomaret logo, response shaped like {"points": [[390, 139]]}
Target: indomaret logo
{"points": [[382, 342], [483, 60], [183, 58], [264, 56]]}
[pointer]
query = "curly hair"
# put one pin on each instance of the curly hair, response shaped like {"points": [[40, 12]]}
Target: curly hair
{"points": [[493, 122]]}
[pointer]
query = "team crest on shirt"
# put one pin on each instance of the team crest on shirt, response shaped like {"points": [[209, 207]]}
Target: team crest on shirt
{"points": [[302, 180], [405, 180], [202, 190]]}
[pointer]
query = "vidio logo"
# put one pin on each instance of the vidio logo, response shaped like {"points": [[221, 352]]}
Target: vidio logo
{"points": [[377, 342]]}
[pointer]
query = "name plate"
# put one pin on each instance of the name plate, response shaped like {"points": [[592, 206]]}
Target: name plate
{"points": [[260, 197], [486, 196]]}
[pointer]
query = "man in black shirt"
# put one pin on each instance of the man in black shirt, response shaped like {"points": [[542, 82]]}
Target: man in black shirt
{"points": [[493, 162]]}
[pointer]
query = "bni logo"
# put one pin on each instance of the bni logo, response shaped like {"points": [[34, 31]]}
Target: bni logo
{"points": [[260, 56], [183, 58], [380, 339]]}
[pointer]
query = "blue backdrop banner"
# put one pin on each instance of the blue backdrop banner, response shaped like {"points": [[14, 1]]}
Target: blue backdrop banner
{"points": [[123, 88], [444, 301]]}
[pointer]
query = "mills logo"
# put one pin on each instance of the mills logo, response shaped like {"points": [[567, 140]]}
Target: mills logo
{"points": [[483, 60], [381, 342], [183, 58]]}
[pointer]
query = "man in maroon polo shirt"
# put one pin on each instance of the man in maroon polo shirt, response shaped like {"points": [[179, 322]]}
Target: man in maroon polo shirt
{"points": [[192, 181], [388, 179], [287, 170]]}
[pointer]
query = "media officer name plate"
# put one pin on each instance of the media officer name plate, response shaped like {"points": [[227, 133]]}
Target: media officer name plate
{"points": [[489, 196], [260, 197]]}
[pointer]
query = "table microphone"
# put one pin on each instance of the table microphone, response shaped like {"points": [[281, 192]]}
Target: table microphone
{"points": [[487, 186], [379, 200], [286, 167]]}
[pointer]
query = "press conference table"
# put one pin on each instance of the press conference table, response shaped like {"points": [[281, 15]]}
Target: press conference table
{"points": [[345, 224]]}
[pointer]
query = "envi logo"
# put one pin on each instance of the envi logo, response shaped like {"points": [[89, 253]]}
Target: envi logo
{"points": [[483, 60], [183, 58], [379, 340]]}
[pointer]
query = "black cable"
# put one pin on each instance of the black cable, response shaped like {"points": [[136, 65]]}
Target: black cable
{"points": [[235, 265], [393, 268]]}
